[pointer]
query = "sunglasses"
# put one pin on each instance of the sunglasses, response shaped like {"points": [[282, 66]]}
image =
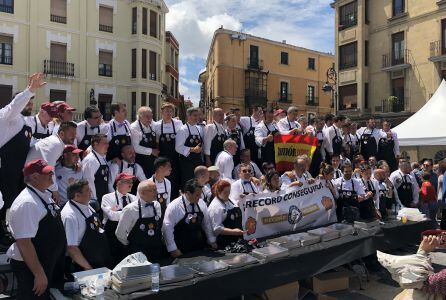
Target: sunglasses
{"points": [[246, 171]]}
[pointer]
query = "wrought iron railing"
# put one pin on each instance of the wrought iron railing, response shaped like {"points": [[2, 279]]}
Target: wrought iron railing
{"points": [[58, 68]]}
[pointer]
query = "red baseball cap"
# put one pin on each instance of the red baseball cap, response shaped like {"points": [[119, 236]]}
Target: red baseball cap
{"points": [[71, 149], [50, 108], [124, 176], [278, 112], [37, 166], [63, 107]]}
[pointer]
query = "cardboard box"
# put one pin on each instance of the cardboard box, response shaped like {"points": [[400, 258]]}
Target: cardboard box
{"points": [[285, 292], [330, 282]]}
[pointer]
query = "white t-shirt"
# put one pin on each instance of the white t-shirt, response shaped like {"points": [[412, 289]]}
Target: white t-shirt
{"points": [[74, 222]]}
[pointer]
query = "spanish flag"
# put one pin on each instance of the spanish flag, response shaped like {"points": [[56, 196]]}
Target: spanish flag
{"points": [[288, 147]]}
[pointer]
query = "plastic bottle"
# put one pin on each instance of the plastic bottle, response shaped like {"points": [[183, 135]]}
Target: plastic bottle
{"points": [[155, 272], [99, 285]]}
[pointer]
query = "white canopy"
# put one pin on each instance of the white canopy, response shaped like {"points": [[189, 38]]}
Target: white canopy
{"points": [[427, 127]]}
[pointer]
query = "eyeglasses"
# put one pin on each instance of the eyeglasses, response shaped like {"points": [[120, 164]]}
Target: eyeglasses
{"points": [[246, 171]]}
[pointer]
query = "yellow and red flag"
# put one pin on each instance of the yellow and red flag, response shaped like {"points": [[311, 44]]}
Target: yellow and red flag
{"points": [[287, 147]]}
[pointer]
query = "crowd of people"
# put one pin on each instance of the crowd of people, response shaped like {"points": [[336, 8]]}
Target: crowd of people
{"points": [[85, 195]]}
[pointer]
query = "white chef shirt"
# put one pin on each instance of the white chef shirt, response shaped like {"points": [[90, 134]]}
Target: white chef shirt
{"points": [[255, 171], [225, 164], [175, 213], [115, 169], [182, 135], [347, 185], [11, 117], [348, 139], [218, 210], [261, 132], [137, 136], [112, 207], [90, 166], [65, 177], [25, 213], [248, 122], [210, 131], [163, 187], [396, 147], [102, 128], [206, 194], [326, 145], [397, 179], [331, 132], [74, 222], [375, 185], [31, 122], [285, 125], [286, 180], [49, 149], [239, 187], [377, 134], [121, 129], [130, 215], [167, 127], [337, 174]]}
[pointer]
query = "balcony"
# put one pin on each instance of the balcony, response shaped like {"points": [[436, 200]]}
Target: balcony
{"points": [[312, 101], [396, 61], [255, 64], [285, 98], [105, 28], [58, 19], [437, 51], [105, 70], [393, 106], [58, 68], [7, 8]]}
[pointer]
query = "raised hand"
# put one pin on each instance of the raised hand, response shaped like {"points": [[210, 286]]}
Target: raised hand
{"points": [[36, 82]]}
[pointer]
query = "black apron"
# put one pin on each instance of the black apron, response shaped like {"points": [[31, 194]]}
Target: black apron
{"points": [[337, 174], [268, 152], [217, 144], [188, 233], [317, 156], [351, 146], [233, 220], [162, 197], [253, 171], [146, 236], [193, 160], [86, 140], [38, 135], [367, 208], [101, 178], [94, 245], [167, 149], [405, 191], [383, 202], [135, 181], [117, 249], [250, 143], [50, 243], [118, 141], [236, 136], [12, 160], [336, 143], [347, 203], [385, 152], [245, 192], [146, 161], [368, 145]]}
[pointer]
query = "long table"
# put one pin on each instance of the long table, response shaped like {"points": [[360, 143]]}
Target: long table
{"points": [[302, 263]]}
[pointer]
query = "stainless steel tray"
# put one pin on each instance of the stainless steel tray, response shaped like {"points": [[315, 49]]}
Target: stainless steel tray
{"points": [[209, 267], [175, 273], [286, 241], [343, 229], [239, 260], [306, 239], [270, 252]]}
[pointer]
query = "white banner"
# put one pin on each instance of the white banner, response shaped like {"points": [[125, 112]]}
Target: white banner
{"points": [[293, 209]]}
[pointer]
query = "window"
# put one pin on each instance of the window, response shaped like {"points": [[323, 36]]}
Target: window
{"points": [[153, 66], [144, 63], [284, 58], [133, 106], [311, 63], [284, 91], [443, 36], [311, 99], [348, 97], [348, 56], [105, 63], [59, 11], [398, 88], [133, 63], [253, 56], [58, 52], [152, 105], [105, 19], [144, 21], [398, 7], [366, 53], [134, 20], [348, 15], [104, 105], [7, 6], [5, 95], [6, 50], [366, 11], [153, 24], [176, 89], [398, 48], [58, 95], [366, 95], [143, 99]]}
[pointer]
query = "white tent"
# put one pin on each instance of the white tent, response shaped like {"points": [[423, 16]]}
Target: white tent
{"points": [[427, 127]]}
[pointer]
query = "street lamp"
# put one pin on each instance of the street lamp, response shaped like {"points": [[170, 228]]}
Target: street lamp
{"points": [[330, 86]]}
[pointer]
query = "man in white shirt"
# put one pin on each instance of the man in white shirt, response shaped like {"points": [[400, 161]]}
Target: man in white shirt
{"points": [[163, 168], [245, 158], [385, 191], [65, 113], [289, 125], [67, 171], [406, 189], [112, 206], [140, 225], [127, 165], [86, 240], [323, 146], [202, 176], [144, 140], [225, 161], [187, 224], [248, 125], [369, 138], [369, 208], [90, 126], [264, 134], [119, 130], [214, 137], [40, 124], [389, 146], [334, 134], [40, 241], [245, 185], [298, 177], [336, 163]]}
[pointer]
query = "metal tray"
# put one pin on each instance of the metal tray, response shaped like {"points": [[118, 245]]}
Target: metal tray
{"points": [[209, 267], [366, 224], [175, 273], [325, 233], [270, 252], [286, 242], [239, 260], [306, 239], [343, 229]]}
